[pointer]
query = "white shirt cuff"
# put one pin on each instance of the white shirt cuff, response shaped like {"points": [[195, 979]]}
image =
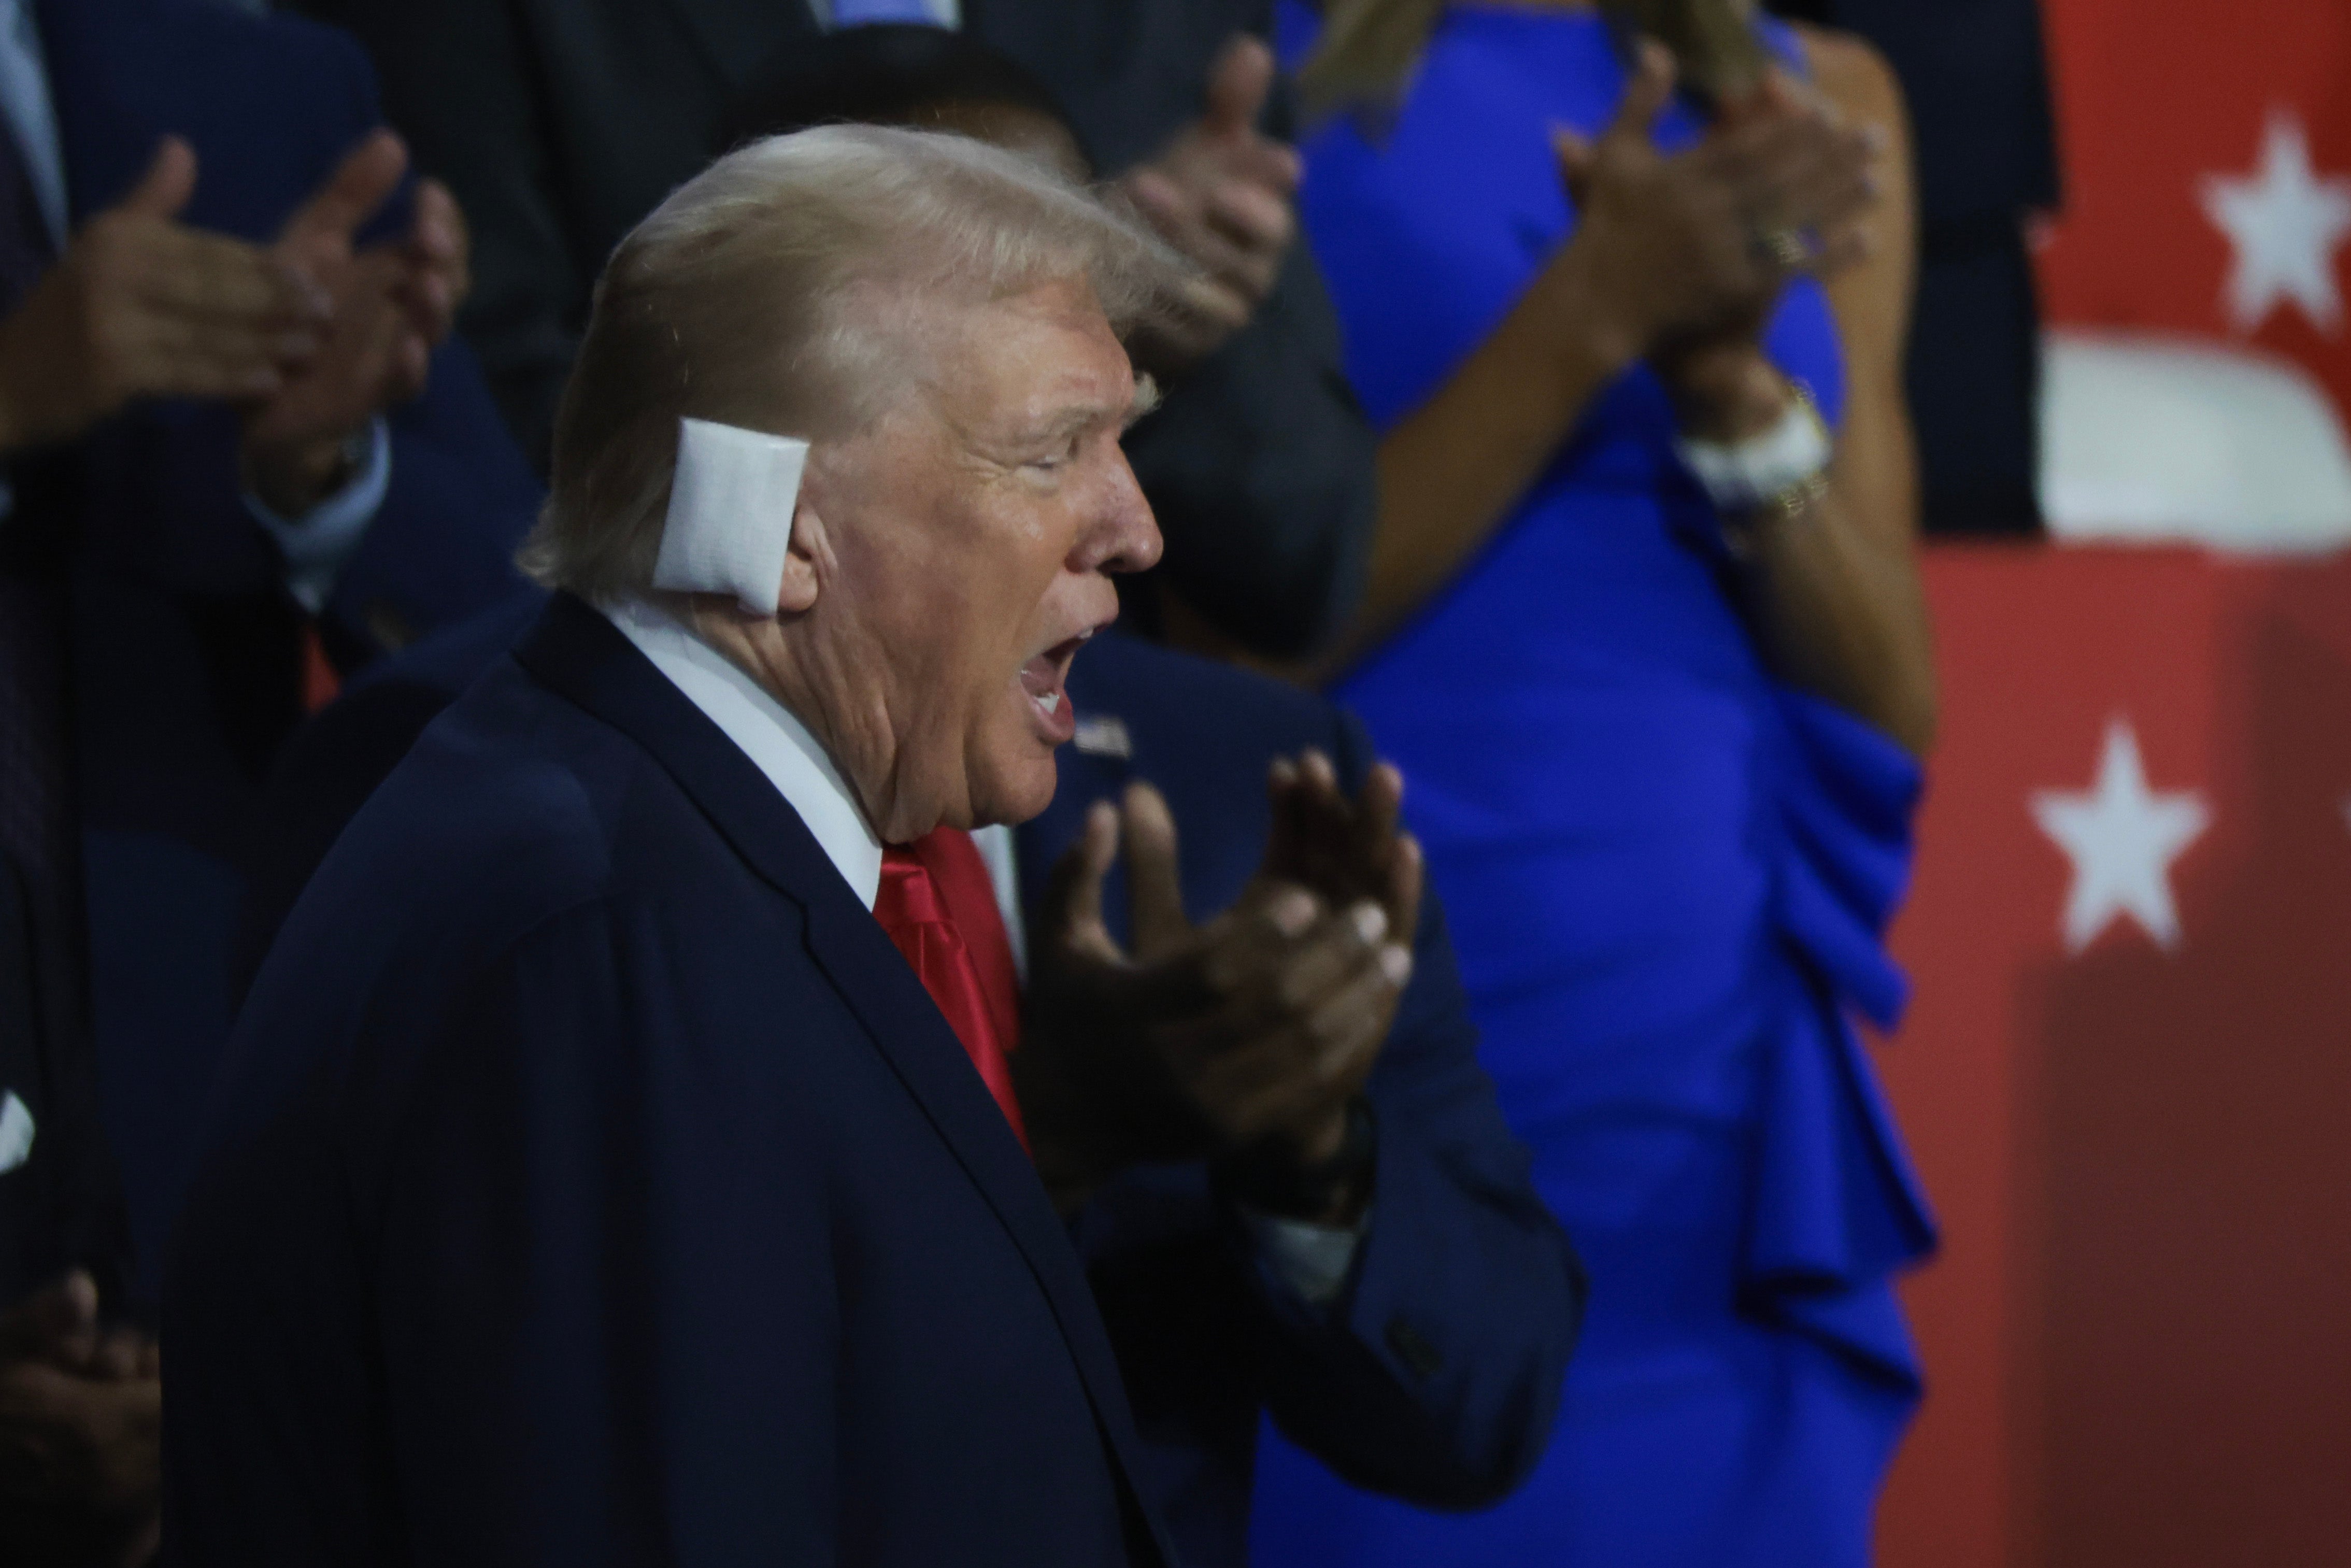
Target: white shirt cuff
{"points": [[1312, 1259], [320, 542]]}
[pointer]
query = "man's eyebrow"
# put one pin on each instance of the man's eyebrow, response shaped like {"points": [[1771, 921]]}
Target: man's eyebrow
{"points": [[1146, 397], [1071, 421]]}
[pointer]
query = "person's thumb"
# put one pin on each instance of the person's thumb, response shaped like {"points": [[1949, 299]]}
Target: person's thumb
{"points": [[1074, 894], [1154, 884], [1576, 155], [170, 180], [1238, 85], [1647, 92]]}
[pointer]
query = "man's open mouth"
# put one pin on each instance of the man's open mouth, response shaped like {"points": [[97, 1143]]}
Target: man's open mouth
{"points": [[1045, 681]]}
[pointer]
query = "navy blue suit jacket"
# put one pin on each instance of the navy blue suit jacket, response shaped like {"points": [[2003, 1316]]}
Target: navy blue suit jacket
{"points": [[1436, 1378], [187, 650], [592, 1181]]}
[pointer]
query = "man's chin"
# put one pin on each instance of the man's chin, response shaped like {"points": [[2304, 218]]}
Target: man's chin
{"points": [[1014, 793]]}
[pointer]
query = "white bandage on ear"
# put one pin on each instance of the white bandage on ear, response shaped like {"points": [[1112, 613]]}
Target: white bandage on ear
{"points": [[730, 513]]}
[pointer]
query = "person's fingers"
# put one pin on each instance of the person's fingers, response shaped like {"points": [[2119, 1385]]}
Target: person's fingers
{"points": [[1576, 155], [439, 249], [199, 357], [1238, 81], [437, 232], [214, 276], [1074, 901], [119, 1354], [1241, 948], [1827, 193], [1286, 1066], [1284, 841], [1163, 202], [1155, 882], [1408, 877], [1806, 178], [170, 180], [1357, 1013], [368, 174], [411, 367], [1214, 303], [1253, 218], [1237, 269], [1647, 91], [1271, 984], [1331, 840], [1848, 245], [1379, 808]]}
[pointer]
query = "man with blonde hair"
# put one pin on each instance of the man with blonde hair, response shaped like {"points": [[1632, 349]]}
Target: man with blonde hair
{"points": [[616, 1162]]}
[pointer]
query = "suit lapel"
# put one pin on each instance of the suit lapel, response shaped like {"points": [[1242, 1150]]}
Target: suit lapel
{"points": [[577, 653]]}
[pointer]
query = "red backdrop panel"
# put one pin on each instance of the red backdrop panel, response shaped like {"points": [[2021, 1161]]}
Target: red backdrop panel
{"points": [[2138, 1335], [2152, 100]]}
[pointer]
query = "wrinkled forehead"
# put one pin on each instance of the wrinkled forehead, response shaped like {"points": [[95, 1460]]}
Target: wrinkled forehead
{"points": [[1044, 356]]}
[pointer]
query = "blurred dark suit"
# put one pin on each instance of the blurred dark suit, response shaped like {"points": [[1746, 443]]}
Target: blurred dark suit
{"points": [[1976, 76], [60, 1205], [560, 123]]}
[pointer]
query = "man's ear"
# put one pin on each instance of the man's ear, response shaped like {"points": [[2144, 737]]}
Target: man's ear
{"points": [[797, 592]]}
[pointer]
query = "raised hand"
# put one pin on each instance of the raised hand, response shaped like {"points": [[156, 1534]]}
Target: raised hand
{"points": [[394, 303], [1679, 252], [1259, 1025], [141, 306], [1345, 851], [1221, 194]]}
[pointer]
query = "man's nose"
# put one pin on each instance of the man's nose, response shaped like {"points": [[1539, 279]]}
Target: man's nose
{"points": [[1126, 538]]}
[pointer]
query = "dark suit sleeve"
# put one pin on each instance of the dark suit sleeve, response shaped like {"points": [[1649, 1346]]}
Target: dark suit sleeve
{"points": [[458, 83], [608, 1326], [1259, 466], [1436, 1377]]}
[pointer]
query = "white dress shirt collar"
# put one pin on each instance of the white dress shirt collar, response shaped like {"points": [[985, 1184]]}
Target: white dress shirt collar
{"points": [[768, 733]]}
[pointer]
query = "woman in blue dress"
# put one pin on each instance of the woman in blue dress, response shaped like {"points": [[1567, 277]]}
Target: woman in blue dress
{"points": [[1661, 734]]}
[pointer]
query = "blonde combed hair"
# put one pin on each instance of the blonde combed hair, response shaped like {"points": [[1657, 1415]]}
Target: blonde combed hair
{"points": [[773, 292]]}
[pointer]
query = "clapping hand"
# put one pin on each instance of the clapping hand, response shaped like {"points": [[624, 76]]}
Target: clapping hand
{"points": [[80, 1427], [392, 304], [1221, 194], [1256, 1026], [1685, 253], [141, 305]]}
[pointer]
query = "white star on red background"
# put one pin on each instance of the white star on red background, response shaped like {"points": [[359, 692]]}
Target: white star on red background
{"points": [[2285, 223], [2122, 838]]}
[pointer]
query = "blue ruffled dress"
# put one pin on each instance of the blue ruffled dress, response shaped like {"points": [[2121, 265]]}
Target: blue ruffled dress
{"points": [[1668, 874]]}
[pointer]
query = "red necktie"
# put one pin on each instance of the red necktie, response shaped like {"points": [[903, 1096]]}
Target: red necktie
{"points": [[939, 906]]}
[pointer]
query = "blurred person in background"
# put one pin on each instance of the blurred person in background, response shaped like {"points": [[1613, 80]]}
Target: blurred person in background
{"points": [[220, 483], [1976, 76], [1644, 629], [1329, 1222], [559, 124], [239, 461]]}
